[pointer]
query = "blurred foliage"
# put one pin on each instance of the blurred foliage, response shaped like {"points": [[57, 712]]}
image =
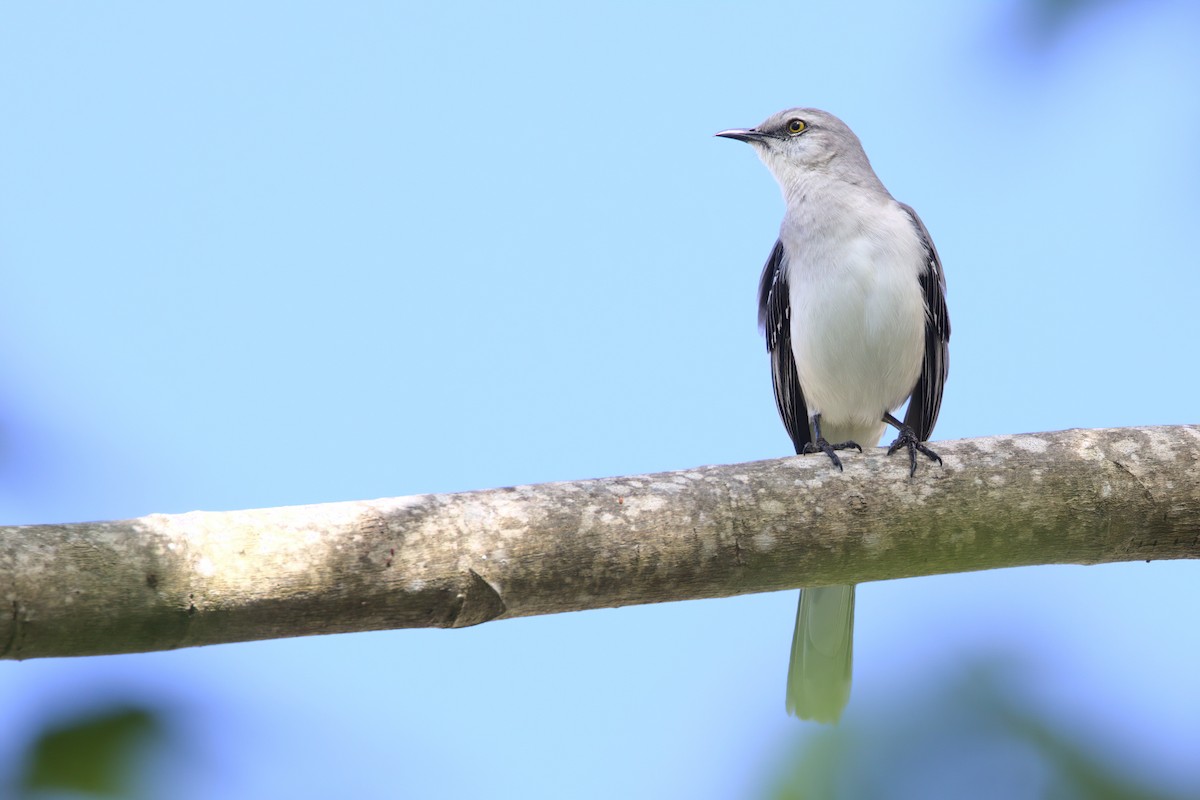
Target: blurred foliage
{"points": [[100, 755], [1051, 17], [1044, 22], [974, 737]]}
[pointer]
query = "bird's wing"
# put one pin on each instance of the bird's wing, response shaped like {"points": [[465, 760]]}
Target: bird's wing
{"points": [[774, 317], [926, 400]]}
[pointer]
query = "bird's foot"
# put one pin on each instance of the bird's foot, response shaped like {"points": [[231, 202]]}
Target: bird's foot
{"points": [[822, 446], [908, 438]]}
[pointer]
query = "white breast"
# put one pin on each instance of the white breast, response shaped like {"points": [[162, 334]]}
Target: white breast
{"points": [[857, 313]]}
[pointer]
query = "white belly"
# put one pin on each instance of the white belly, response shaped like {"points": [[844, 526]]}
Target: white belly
{"points": [[858, 331]]}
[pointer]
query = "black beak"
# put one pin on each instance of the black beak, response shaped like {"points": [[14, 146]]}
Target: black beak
{"points": [[742, 134]]}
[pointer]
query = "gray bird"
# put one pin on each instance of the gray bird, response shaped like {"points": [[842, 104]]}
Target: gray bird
{"points": [[852, 301]]}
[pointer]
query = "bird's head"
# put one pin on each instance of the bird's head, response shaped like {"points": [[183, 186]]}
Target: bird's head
{"points": [[802, 141]]}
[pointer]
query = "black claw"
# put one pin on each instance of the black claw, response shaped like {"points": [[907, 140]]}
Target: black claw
{"points": [[822, 446], [908, 438]]}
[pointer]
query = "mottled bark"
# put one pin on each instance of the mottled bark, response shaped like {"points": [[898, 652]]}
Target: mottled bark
{"points": [[160, 582]]}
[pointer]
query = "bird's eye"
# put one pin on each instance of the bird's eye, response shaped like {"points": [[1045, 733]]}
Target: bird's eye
{"points": [[796, 126]]}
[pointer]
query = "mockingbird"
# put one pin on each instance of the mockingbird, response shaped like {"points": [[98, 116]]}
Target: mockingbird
{"points": [[853, 304]]}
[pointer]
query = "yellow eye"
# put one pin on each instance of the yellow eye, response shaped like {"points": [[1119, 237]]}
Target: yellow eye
{"points": [[795, 126]]}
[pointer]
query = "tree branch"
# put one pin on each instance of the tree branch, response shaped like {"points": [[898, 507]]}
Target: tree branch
{"points": [[166, 581]]}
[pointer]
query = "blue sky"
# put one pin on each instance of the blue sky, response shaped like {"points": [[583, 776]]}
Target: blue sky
{"points": [[278, 253]]}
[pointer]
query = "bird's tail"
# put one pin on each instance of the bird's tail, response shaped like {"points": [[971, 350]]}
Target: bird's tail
{"points": [[818, 684]]}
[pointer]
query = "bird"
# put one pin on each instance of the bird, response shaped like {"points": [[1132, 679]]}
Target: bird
{"points": [[852, 302]]}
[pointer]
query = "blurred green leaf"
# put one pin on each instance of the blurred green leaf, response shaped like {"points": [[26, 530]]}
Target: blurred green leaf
{"points": [[99, 755], [976, 735]]}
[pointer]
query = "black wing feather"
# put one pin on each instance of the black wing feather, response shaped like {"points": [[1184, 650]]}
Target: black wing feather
{"points": [[926, 399], [774, 317]]}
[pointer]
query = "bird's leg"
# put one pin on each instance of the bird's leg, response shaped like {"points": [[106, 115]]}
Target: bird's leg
{"points": [[908, 438], [822, 446]]}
